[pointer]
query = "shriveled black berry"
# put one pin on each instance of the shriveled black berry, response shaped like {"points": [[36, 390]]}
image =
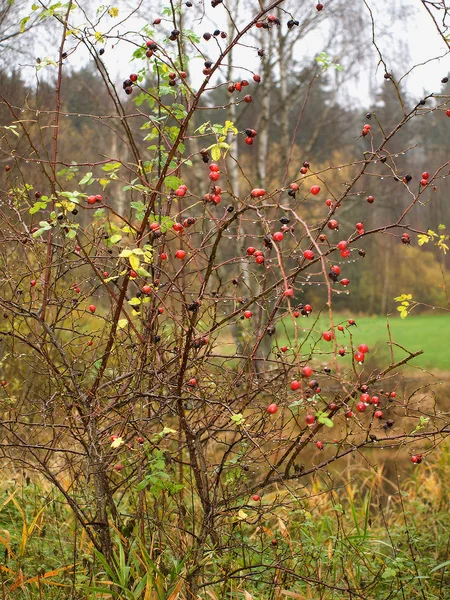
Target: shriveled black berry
{"points": [[261, 52], [206, 36], [127, 83], [444, 80], [291, 193], [268, 242], [128, 90], [332, 275], [284, 220], [422, 102], [216, 32], [270, 330], [75, 211], [101, 51], [208, 64], [230, 208], [193, 306], [368, 115], [306, 164], [189, 4], [408, 177], [362, 253]]}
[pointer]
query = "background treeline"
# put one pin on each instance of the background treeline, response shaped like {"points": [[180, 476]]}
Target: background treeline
{"points": [[322, 131]]}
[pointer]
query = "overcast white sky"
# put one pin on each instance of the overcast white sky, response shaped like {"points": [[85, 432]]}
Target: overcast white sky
{"points": [[413, 40]]}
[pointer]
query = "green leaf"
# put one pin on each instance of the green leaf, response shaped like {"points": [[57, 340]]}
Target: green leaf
{"points": [[114, 239], [389, 573], [37, 206], [71, 234], [112, 166], [440, 566], [86, 178], [134, 302], [296, 403], [143, 273], [121, 323], [238, 418], [173, 182], [23, 23]]}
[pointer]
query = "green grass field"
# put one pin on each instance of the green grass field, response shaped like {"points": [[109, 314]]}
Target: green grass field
{"points": [[430, 333]]}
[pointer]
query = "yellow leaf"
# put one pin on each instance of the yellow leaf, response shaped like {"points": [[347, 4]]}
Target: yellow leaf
{"points": [[126, 253], [113, 12], [117, 442], [242, 515], [215, 152], [134, 261], [121, 323]]}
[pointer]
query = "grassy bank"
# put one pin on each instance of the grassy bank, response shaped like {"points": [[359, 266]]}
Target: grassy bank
{"points": [[417, 332]]}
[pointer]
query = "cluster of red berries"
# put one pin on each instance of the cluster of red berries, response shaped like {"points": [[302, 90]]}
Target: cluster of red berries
{"points": [[214, 172], [366, 129], [151, 48], [237, 87], [251, 134], [406, 238], [257, 254], [214, 196], [361, 354], [271, 20], [207, 36], [334, 273], [365, 400], [173, 77], [417, 458], [302, 309], [425, 178], [94, 199], [128, 83]]}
